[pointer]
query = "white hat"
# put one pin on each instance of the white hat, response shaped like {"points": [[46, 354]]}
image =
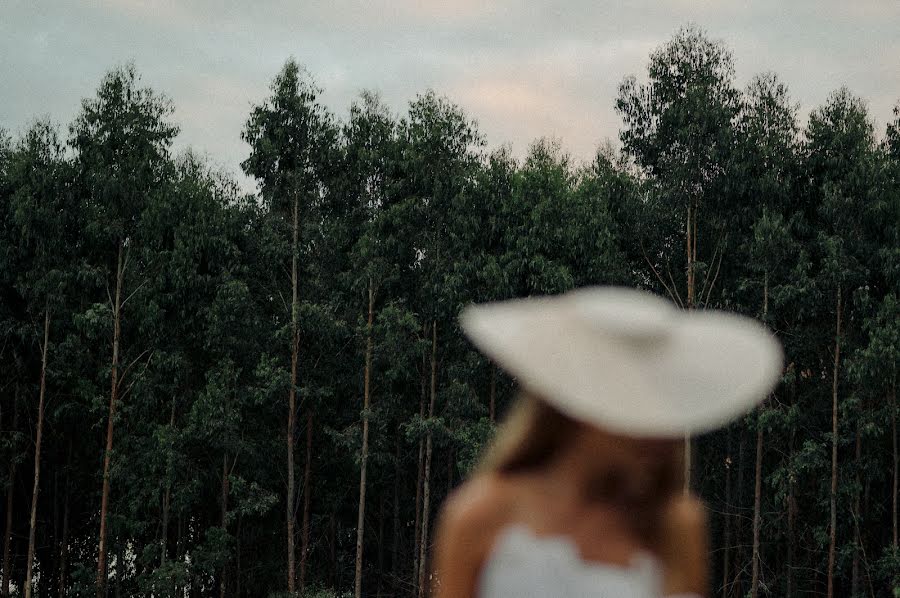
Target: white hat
{"points": [[630, 361]]}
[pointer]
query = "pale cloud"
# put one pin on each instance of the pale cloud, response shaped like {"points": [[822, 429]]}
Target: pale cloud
{"points": [[522, 69]]}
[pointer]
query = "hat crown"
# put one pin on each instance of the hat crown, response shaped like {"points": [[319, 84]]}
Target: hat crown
{"points": [[629, 315]]}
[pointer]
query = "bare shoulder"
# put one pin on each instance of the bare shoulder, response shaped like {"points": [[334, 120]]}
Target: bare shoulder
{"points": [[683, 546], [469, 521], [686, 515], [478, 507]]}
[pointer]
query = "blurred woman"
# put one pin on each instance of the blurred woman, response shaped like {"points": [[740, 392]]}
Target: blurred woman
{"points": [[581, 494]]}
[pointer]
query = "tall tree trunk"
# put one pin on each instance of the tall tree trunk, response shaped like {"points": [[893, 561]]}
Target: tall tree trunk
{"points": [[691, 249], [179, 541], [332, 548], [225, 490], [292, 398], [381, 570], [895, 462], [237, 557], [420, 476], [426, 491], [757, 503], [113, 396], [832, 535], [167, 494], [395, 541], [757, 484], [834, 445], [64, 538], [32, 523], [791, 517], [688, 234], [53, 548], [307, 494], [120, 571], [857, 513], [7, 534], [364, 457], [737, 582], [726, 543]]}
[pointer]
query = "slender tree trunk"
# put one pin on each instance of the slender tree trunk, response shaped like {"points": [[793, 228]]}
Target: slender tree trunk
{"points": [[364, 457], [757, 504], [225, 490], [426, 492], [307, 494], [332, 548], [292, 398], [64, 539], [691, 243], [120, 571], [53, 553], [689, 229], [792, 515], [179, 540], [895, 462], [113, 396], [726, 543], [757, 485], [834, 446], [381, 570], [7, 534], [167, 494], [857, 513], [237, 555], [420, 478], [32, 527], [395, 541], [738, 562]]}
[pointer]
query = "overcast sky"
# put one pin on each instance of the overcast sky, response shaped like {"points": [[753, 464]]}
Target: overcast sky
{"points": [[521, 69]]}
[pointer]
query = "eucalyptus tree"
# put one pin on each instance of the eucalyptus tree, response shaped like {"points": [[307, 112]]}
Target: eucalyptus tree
{"points": [[539, 247], [605, 216], [371, 167], [764, 174], [438, 159], [873, 372], [679, 128], [44, 216], [291, 136], [840, 162], [485, 210], [12, 313], [121, 140]]}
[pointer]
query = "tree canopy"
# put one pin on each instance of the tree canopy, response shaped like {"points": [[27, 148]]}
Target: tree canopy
{"points": [[209, 391]]}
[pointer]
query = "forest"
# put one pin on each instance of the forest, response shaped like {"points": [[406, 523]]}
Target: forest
{"points": [[205, 391]]}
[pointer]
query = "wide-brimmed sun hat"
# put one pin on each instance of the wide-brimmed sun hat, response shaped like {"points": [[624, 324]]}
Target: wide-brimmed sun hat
{"points": [[630, 361]]}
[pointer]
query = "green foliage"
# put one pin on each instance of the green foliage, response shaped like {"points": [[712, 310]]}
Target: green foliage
{"points": [[411, 206]]}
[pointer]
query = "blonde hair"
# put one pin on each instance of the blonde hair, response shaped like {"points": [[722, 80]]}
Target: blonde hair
{"points": [[530, 436], [533, 434]]}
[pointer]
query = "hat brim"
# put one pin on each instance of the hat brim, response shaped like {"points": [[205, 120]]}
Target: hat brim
{"points": [[708, 369]]}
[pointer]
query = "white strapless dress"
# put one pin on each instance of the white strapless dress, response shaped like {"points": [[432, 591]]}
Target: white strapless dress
{"points": [[524, 565]]}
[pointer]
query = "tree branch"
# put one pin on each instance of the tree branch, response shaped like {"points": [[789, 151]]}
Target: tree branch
{"points": [[130, 365], [133, 292], [671, 292], [716, 277], [129, 387]]}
